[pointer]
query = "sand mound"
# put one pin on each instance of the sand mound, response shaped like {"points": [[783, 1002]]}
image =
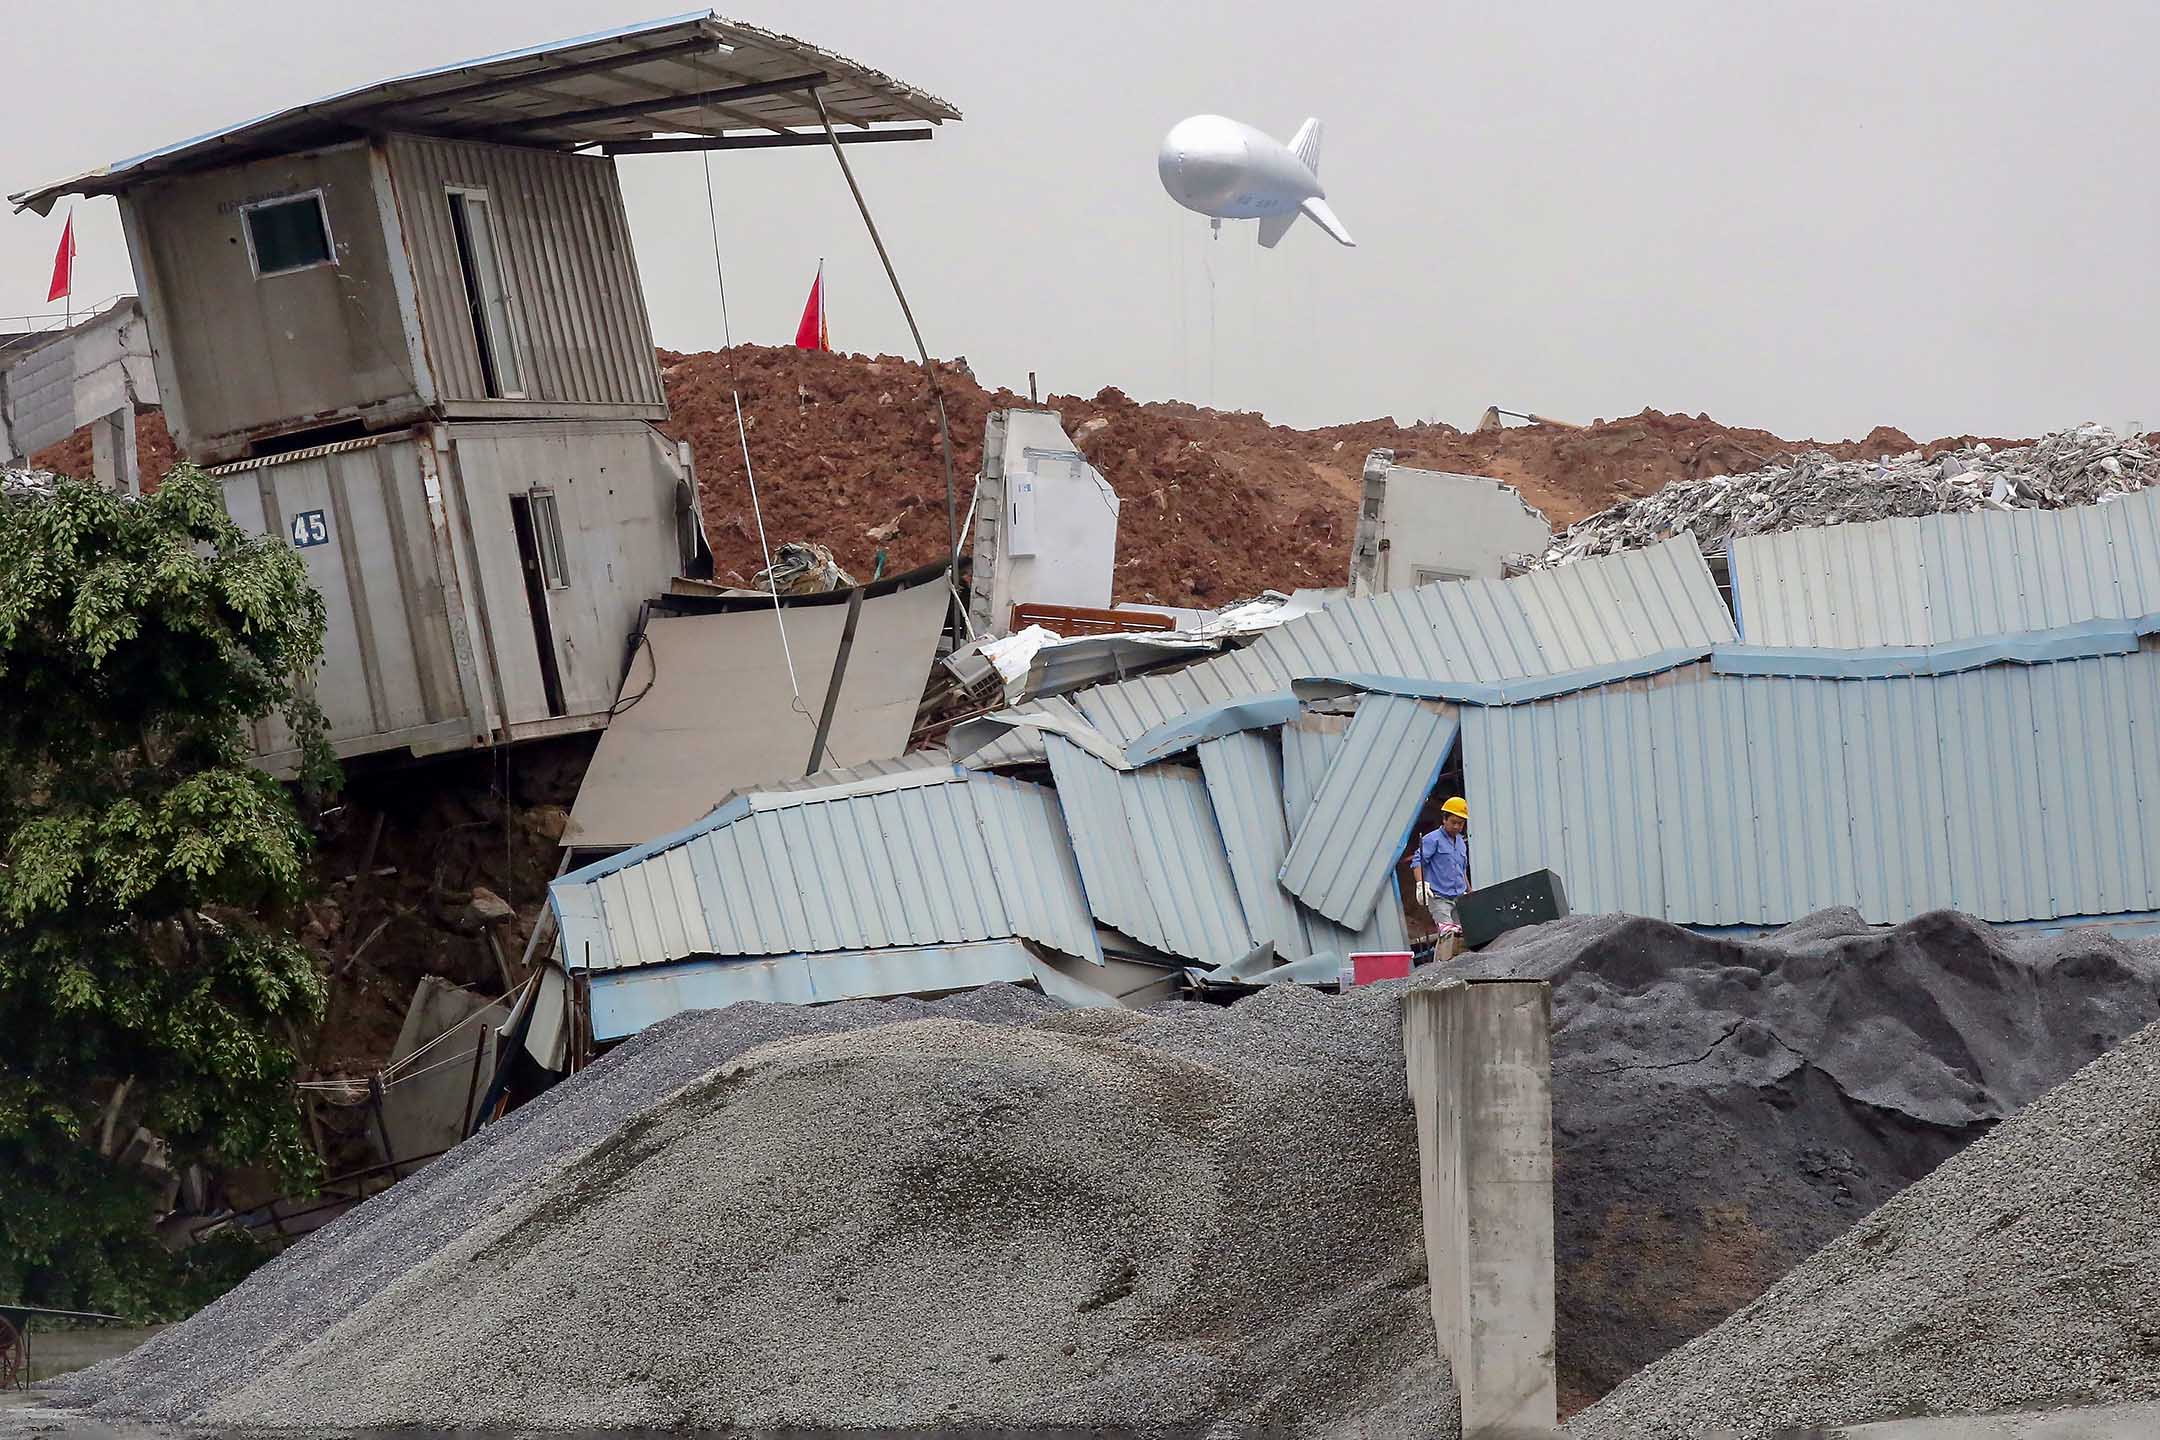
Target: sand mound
{"points": [[2025, 1273]]}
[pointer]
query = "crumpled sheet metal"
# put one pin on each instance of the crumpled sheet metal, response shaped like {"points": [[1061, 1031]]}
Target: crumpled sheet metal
{"points": [[2070, 467], [802, 568]]}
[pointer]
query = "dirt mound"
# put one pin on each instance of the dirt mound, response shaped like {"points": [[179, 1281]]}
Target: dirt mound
{"points": [[1217, 504], [2023, 1274], [1723, 1109]]}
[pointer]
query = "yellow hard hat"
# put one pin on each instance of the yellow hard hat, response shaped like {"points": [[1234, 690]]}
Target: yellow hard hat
{"points": [[1455, 805]]}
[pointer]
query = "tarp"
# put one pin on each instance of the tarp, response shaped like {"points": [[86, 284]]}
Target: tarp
{"points": [[707, 707]]}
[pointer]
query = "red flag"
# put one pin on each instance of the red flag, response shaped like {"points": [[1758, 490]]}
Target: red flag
{"points": [[63, 265], [810, 334]]}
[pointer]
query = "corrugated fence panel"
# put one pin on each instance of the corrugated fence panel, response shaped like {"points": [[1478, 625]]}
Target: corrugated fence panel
{"points": [[1174, 826], [1309, 744], [2014, 793], [1368, 800], [1038, 878], [947, 862], [1152, 855], [1244, 774], [1117, 891], [1939, 578]]}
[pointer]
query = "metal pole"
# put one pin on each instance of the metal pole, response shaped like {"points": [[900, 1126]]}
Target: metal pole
{"points": [[832, 686], [937, 395]]}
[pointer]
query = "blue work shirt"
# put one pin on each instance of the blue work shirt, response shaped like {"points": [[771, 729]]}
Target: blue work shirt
{"points": [[1443, 862]]}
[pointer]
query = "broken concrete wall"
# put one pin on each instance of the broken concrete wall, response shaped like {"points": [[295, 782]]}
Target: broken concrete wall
{"points": [[100, 370], [1419, 526], [1045, 527]]}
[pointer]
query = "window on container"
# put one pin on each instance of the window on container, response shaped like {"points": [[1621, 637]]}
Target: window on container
{"points": [[487, 293], [288, 234], [547, 538]]}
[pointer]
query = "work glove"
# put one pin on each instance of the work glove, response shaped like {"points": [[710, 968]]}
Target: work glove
{"points": [[1424, 894]]}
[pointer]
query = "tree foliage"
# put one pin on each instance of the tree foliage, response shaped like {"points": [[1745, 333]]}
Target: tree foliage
{"points": [[145, 868]]}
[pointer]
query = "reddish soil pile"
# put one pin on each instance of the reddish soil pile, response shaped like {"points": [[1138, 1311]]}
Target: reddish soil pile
{"points": [[155, 452], [1218, 505]]}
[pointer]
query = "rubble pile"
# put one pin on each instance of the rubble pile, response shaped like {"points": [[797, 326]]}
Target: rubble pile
{"points": [[2070, 467], [2024, 1274], [23, 481]]}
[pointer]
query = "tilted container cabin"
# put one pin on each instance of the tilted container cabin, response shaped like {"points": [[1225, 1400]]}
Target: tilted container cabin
{"points": [[405, 326]]}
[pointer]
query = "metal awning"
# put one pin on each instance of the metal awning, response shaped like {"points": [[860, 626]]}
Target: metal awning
{"points": [[694, 75]]}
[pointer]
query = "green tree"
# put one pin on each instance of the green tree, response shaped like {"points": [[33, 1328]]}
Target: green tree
{"points": [[148, 974]]}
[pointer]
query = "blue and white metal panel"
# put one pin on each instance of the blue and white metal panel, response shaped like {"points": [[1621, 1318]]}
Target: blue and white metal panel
{"points": [[1244, 782], [627, 1001], [2014, 793], [927, 859], [1151, 855], [1597, 611], [1369, 798], [1940, 578], [1309, 744]]}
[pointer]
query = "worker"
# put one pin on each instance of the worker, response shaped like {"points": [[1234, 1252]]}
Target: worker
{"points": [[1441, 862]]}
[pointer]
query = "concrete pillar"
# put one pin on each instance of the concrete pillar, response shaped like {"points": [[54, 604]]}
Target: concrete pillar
{"points": [[112, 452], [1480, 1063]]}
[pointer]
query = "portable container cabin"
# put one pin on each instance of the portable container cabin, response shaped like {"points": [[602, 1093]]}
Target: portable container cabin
{"points": [[404, 324]]}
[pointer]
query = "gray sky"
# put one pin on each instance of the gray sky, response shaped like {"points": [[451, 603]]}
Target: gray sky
{"points": [[1813, 218]]}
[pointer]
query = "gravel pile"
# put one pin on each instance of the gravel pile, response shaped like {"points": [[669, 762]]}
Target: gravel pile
{"points": [[1722, 1110], [182, 1371], [1015, 1218], [2069, 467], [2025, 1273]]}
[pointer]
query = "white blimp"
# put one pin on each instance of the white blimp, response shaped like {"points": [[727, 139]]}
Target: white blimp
{"points": [[1227, 170]]}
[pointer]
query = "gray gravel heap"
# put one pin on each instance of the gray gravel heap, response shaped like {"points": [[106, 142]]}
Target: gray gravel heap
{"points": [[2025, 1273], [1158, 1222], [2069, 467], [282, 1306], [1723, 1109]]}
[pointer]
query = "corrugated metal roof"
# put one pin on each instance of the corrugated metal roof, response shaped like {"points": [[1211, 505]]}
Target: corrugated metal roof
{"points": [[1601, 611], [1360, 819], [2013, 793], [913, 859], [1245, 783], [1942, 578], [1152, 855], [695, 73], [908, 764]]}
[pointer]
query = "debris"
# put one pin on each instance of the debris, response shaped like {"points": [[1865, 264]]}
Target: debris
{"points": [[2070, 467], [487, 909], [803, 568]]}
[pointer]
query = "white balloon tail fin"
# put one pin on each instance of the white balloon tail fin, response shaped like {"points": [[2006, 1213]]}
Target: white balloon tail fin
{"points": [[1275, 227], [1325, 219], [1306, 145]]}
